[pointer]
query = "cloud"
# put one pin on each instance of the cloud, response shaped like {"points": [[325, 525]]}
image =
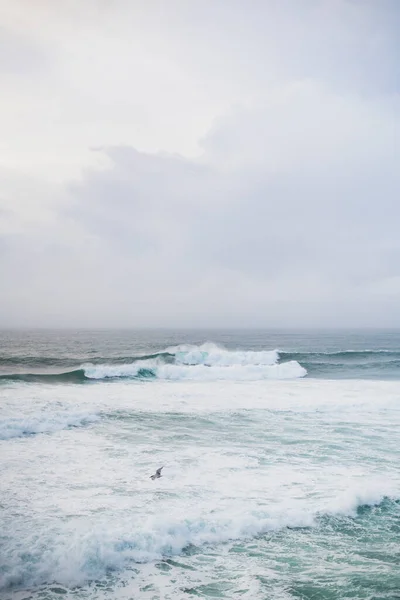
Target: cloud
{"points": [[286, 215]]}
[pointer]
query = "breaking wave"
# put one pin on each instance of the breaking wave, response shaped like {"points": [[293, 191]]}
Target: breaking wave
{"points": [[206, 362], [90, 555]]}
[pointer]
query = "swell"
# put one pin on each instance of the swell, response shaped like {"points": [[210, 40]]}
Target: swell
{"points": [[344, 355], [74, 376], [349, 364], [71, 361], [170, 354]]}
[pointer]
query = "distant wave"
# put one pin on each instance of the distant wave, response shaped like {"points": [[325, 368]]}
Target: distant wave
{"points": [[90, 555], [348, 363], [74, 376], [22, 427], [204, 362], [343, 354], [205, 353], [57, 361]]}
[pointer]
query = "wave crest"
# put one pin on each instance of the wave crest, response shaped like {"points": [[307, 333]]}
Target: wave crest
{"points": [[212, 355], [206, 362]]}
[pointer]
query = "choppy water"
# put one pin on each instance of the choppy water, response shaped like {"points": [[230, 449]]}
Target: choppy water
{"points": [[281, 465]]}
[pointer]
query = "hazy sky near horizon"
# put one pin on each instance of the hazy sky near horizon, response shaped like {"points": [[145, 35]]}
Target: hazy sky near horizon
{"points": [[199, 163]]}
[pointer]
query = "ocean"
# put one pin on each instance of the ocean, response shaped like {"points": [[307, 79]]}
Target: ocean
{"points": [[281, 454]]}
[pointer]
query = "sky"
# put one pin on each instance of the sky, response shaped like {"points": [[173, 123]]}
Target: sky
{"points": [[202, 163]]}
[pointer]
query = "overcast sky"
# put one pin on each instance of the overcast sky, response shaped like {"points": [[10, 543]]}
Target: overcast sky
{"points": [[199, 163]]}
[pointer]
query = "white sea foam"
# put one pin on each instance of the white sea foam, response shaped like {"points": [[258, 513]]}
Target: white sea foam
{"points": [[207, 362], [240, 460], [300, 396], [130, 370], [198, 372], [348, 501], [210, 354], [45, 423], [248, 372], [73, 556]]}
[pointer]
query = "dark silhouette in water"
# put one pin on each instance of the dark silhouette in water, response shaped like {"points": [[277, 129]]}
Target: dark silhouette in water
{"points": [[157, 474]]}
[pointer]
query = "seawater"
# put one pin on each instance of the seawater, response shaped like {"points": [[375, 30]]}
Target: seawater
{"points": [[281, 465]]}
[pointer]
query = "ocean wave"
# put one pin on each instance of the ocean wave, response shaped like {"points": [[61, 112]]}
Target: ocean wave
{"points": [[74, 558], [343, 355], [207, 353], [55, 362], [289, 370], [22, 427], [211, 355], [73, 376], [206, 362], [187, 361]]}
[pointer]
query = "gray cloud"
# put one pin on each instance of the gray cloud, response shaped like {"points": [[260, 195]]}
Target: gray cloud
{"points": [[322, 226], [21, 55], [287, 216]]}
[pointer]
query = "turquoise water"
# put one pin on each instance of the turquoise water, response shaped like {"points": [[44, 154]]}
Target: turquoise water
{"points": [[280, 454]]}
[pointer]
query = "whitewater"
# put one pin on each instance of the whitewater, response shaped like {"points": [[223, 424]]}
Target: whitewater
{"points": [[280, 456]]}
